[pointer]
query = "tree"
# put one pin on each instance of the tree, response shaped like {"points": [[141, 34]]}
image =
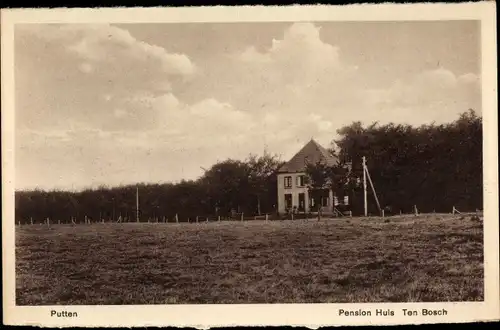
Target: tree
{"points": [[226, 185], [262, 177], [342, 180], [317, 180], [433, 166]]}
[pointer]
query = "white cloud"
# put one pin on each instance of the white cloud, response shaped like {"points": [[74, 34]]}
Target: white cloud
{"points": [[86, 67], [105, 43], [434, 95], [468, 78], [114, 53], [252, 55], [129, 116], [88, 71], [120, 113], [300, 59], [205, 120], [301, 74]]}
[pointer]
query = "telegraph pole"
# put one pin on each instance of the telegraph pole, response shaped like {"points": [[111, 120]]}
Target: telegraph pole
{"points": [[113, 208], [373, 190], [364, 186], [137, 203]]}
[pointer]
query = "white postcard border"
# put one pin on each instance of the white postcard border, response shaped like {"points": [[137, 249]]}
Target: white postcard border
{"points": [[310, 315]]}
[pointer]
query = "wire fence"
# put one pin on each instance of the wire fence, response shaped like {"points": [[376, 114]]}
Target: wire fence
{"points": [[235, 217]]}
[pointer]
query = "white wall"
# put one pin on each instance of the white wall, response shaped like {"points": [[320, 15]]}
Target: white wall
{"points": [[294, 190]]}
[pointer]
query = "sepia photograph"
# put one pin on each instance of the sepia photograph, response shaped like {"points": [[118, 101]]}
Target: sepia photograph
{"points": [[305, 161]]}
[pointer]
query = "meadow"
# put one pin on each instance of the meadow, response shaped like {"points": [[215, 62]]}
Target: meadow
{"points": [[428, 258]]}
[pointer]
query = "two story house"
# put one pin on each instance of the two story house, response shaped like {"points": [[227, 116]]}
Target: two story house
{"points": [[293, 192]]}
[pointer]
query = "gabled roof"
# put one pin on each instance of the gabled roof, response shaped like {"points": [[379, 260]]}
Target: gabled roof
{"points": [[312, 152]]}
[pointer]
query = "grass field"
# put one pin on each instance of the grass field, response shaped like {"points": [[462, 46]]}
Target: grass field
{"points": [[397, 259]]}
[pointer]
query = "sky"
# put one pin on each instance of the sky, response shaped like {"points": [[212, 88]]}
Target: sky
{"points": [[120, 104]]}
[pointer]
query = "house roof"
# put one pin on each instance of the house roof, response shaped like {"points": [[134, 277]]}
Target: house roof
{"points": [[312, 152]]}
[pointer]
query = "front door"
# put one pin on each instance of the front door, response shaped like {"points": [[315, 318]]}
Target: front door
{"points": [[302, 202], [288, 202]]}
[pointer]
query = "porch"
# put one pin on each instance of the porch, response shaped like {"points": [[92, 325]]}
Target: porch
{"points": [[302, 202]]}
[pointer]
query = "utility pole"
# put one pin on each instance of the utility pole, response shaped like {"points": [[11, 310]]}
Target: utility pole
{"points": [[373, 190], [364, 186], [113, 199], [137, 203]]}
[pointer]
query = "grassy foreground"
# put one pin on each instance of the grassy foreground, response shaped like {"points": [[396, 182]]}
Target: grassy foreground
{"points": [[399, 259]]}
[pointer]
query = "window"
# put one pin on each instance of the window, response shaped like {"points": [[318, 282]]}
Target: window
{"points": [[301, 181], [288, 201], [324, 201], [288, 182]]}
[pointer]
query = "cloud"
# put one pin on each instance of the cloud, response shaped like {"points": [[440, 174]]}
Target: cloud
{"points": [[299, 60], [302, 77], [86, 67], [205, 120], [119, 113], [184, 138], [96, 105], [94, 42], [105, 43], [85, 72], [434, 95]]}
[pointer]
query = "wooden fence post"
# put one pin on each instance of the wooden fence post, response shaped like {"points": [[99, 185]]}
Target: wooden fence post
{"points": [[383, 213], [59, 221], [176, 218], [196, 219], [241, 216], [207, 219], [48, 222], [31, 220], [416, 210], [218, 218], [267, 217]]}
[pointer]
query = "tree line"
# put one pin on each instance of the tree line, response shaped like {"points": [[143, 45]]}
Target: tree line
{"points": [[228, 187], [432, 166]]}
